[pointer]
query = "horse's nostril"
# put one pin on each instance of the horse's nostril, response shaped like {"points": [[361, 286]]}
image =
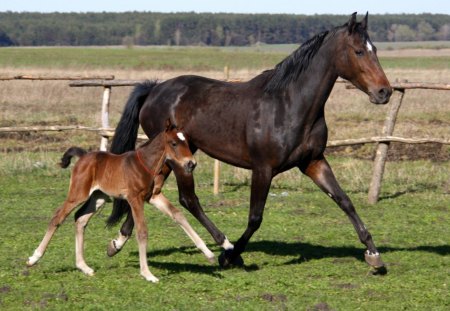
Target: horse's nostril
{"points": [[384, 92]]}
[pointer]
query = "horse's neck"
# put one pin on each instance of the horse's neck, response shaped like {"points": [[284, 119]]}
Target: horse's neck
{"points": [[315, 83], [152, 153]]}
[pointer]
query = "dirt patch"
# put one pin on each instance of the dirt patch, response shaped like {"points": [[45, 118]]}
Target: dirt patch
{"points": [[397, 152], [414, 53], [321, 306], [41, 141], [5, 289], [57, 141], [274, 298]]}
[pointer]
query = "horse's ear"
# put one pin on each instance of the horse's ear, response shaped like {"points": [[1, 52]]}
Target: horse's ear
{"points": [[351, 24], [364, 22]]}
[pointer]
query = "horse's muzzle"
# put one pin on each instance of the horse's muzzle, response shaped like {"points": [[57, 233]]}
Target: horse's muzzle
{"points": [[381, 96]]}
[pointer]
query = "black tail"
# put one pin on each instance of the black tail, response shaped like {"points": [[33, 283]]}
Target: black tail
{"points": [[71, 152], [125, 138]]}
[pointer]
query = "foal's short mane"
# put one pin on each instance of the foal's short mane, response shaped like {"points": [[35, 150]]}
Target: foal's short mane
{"points": [[291, 67]]}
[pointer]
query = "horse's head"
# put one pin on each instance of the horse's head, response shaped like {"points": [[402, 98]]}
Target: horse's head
{"points": [[177, 149], [358, 62]]}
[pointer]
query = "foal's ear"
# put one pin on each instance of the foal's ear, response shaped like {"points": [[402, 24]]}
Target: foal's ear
{"points": [[364, 21], [351, 24], [170, 125]]}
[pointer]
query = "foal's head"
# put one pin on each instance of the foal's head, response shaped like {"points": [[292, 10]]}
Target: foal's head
{"points": [[358, 61], [177, 149]]}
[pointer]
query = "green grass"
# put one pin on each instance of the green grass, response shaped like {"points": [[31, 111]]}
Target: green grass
{"points": [[305, 256], [441, 62], [174, 58], [163, 58]]}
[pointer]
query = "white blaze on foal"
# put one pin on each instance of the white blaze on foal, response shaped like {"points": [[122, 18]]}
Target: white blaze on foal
{"points": [[181, 136], [369, 46]]}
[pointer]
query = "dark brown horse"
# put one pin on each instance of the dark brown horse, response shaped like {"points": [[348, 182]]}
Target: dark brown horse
{"points": [[270, 124], [134, 176]]}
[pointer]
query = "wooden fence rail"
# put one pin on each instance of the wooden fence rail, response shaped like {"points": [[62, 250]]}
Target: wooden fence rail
{"points": [[383, 141]]}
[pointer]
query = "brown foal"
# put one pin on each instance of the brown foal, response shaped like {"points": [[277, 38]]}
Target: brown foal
{"points": [[135, 176]]}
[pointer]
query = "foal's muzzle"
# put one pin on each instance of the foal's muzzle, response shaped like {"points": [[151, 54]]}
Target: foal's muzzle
{"points": [[190, 165]]}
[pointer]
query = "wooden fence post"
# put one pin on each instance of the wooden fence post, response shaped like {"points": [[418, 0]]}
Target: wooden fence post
{"points": [[216, 177], [105, 116], [382, 148], [216, 186]]}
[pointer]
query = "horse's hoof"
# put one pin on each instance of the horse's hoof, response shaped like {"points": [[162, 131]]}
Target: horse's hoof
{"points": [[112, 249], [227, 260], [374, 260]]}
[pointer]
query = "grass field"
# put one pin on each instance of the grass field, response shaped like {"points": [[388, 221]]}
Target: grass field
{"points": [[176, 58], [306, 255]]}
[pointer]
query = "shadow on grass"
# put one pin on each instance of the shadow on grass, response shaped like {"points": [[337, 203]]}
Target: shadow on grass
{"points": [[305, 251], [309, 251], [420, 187]]}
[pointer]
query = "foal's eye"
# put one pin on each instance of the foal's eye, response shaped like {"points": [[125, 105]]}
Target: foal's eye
{"points": [[174, 144], [359, 52]]}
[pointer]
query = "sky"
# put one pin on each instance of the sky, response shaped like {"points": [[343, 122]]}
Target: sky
{"points": [[233, 6]]}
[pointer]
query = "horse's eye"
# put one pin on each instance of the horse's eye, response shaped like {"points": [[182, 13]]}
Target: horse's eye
{"points": [[173, 143], [359, 52]]}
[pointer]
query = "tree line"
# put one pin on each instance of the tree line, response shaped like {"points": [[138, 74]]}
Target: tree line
{"points": [[215, 29]]}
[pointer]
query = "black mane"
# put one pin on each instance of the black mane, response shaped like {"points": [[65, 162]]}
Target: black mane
{"points": [[290, 68]]}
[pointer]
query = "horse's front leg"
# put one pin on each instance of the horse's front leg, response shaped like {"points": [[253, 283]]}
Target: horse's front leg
{"points": [[261, 180], [320, 172], [189, 200]]}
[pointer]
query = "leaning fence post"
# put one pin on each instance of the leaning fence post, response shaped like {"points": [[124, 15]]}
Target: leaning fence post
{"points": [[382, 147], [105, 116]]}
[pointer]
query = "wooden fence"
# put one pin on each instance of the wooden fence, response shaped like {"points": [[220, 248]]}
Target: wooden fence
{"points": [[383, 141]]}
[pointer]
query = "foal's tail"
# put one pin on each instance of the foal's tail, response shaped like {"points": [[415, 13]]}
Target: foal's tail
{"points": [[71, 152], [126, 135]]}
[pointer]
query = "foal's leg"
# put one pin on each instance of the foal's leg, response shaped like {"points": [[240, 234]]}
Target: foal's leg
{"points": [[137, 208], [82, 217], [320, 172], [161, 202], [125, 231], [74, 199]]}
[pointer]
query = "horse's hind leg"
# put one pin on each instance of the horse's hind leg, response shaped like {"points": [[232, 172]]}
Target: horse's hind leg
{"points": [[82, 217], [320, 172], [58, 217], [161, 202]]}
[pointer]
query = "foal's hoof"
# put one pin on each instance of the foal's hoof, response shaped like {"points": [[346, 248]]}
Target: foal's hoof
{"points": [[227, 260], [112, 249], [374, 260]]}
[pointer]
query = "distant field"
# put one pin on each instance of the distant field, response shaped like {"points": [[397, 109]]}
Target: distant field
{"points": [[185, 58]]}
